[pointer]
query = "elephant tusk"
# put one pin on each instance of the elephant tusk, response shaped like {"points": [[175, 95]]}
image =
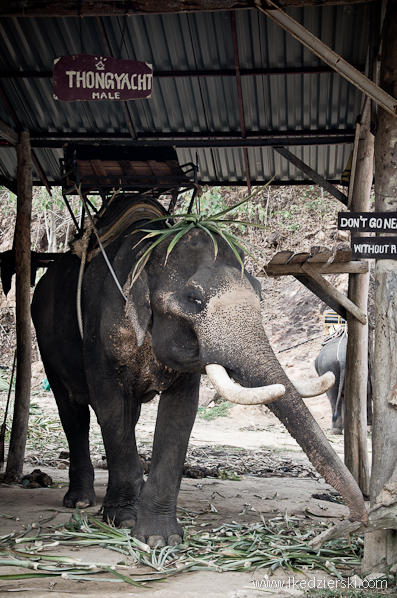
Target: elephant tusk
{"points": [[313, 388], [239, 394]]}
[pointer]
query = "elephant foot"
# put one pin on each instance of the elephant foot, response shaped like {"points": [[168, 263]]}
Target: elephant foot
{"points": [[120, 516], [158, 532], [79, 499]]}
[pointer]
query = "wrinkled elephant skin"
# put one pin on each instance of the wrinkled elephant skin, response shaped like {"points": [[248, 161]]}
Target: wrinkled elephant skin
{"points": [[332, 358], [178, 318]]}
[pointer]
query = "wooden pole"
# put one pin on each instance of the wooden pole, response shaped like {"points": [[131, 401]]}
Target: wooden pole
{"points": [[23, 326], [356, 382], [380, 549]]}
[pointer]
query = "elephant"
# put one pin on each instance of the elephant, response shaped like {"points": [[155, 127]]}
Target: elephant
{"points": [[191, 312], [332, 357]]}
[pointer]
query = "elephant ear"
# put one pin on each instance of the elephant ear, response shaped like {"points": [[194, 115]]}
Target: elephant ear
{"points": [[137, 307], [256, 285]]}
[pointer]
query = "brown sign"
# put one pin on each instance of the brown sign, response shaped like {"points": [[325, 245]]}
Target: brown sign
{"points": [[84, 77]]}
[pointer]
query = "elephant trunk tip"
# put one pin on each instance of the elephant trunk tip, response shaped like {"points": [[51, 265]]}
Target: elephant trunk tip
{"points": [[359, 515]]}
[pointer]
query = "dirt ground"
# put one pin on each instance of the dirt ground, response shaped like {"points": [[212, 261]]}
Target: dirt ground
{"points": [[219, 501]]}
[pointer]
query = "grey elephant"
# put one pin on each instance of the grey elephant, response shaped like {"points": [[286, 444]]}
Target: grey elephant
{"points": [[332, 357], [184, 316]]}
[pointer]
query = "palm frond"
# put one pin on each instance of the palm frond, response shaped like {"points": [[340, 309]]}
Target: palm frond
{"points": [[211, 224]]}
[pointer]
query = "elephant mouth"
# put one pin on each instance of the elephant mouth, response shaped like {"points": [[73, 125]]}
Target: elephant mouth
{"points": [[263, 395]]}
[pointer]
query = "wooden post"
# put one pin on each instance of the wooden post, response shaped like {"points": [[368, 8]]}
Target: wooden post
{"points": [[356, 382], [380, 549], [23, 326]]}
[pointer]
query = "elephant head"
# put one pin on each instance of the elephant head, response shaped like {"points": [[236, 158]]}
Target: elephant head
{"points": [[204, 316]]}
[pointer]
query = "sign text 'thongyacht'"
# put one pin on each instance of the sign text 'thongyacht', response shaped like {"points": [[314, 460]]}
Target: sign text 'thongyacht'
{"points": [[85, 77]]}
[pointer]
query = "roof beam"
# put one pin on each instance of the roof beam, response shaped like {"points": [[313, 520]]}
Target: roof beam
{"points": [[194, 140], [73, 8], [386, 101], [255, 72]]}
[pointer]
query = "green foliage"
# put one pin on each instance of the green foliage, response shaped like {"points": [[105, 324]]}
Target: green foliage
{"points": [[8, 202], [211, 223], [210, 413]]}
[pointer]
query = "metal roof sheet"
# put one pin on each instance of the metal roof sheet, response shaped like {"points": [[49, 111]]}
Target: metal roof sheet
{"points": [[198, 108]]}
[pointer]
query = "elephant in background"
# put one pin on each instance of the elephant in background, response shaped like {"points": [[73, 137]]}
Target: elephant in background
{"points": [[332, 358], [189, 313]]}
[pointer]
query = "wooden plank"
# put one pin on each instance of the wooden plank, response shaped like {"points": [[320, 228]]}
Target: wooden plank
{"points": [[281, 257], [342, 255], [336, 295], [353, 267], [299, 258], [320, 257]]}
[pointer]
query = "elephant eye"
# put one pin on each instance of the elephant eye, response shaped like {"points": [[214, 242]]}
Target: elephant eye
{"points": [[194, 300]]}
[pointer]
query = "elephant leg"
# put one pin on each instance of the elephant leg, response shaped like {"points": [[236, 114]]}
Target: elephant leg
{"points": [[117, 419], [156, 521], [75, 417]]}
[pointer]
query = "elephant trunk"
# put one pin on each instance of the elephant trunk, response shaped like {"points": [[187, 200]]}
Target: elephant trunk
{"points": [[294, 414]]}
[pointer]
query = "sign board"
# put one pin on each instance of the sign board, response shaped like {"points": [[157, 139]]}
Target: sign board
{"points": [[368, 222], [374, 248], [85, 77]]}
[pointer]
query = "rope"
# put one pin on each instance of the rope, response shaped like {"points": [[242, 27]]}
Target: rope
{"points": [[83, 246]]}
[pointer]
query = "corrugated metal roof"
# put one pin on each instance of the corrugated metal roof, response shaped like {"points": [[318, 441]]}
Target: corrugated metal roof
{"points": [[198, 107]]}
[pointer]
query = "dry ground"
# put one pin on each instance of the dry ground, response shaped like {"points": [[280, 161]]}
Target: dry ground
{"points": [[286, 483]]}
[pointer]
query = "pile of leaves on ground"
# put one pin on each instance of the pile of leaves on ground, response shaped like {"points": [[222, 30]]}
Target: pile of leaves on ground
{"points": [[267, 545]]}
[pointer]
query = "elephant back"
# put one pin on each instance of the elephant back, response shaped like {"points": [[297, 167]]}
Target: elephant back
{"points": [[113, 220]]}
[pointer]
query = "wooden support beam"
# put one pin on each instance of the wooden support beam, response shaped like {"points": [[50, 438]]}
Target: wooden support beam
{"points": [[380, 548], [23, 325], [334, 294], [8, 134], [317, 178], [356, 379], [354, 267], [341, 66], [310, 283]]}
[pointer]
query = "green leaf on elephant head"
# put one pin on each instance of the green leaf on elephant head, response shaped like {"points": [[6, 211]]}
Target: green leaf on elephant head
{"points": [[213, 238], [177, 225], [175, 240]]}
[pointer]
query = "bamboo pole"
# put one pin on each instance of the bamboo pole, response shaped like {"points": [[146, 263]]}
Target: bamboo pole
{"points": [[23, 326], [356, 381]]}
